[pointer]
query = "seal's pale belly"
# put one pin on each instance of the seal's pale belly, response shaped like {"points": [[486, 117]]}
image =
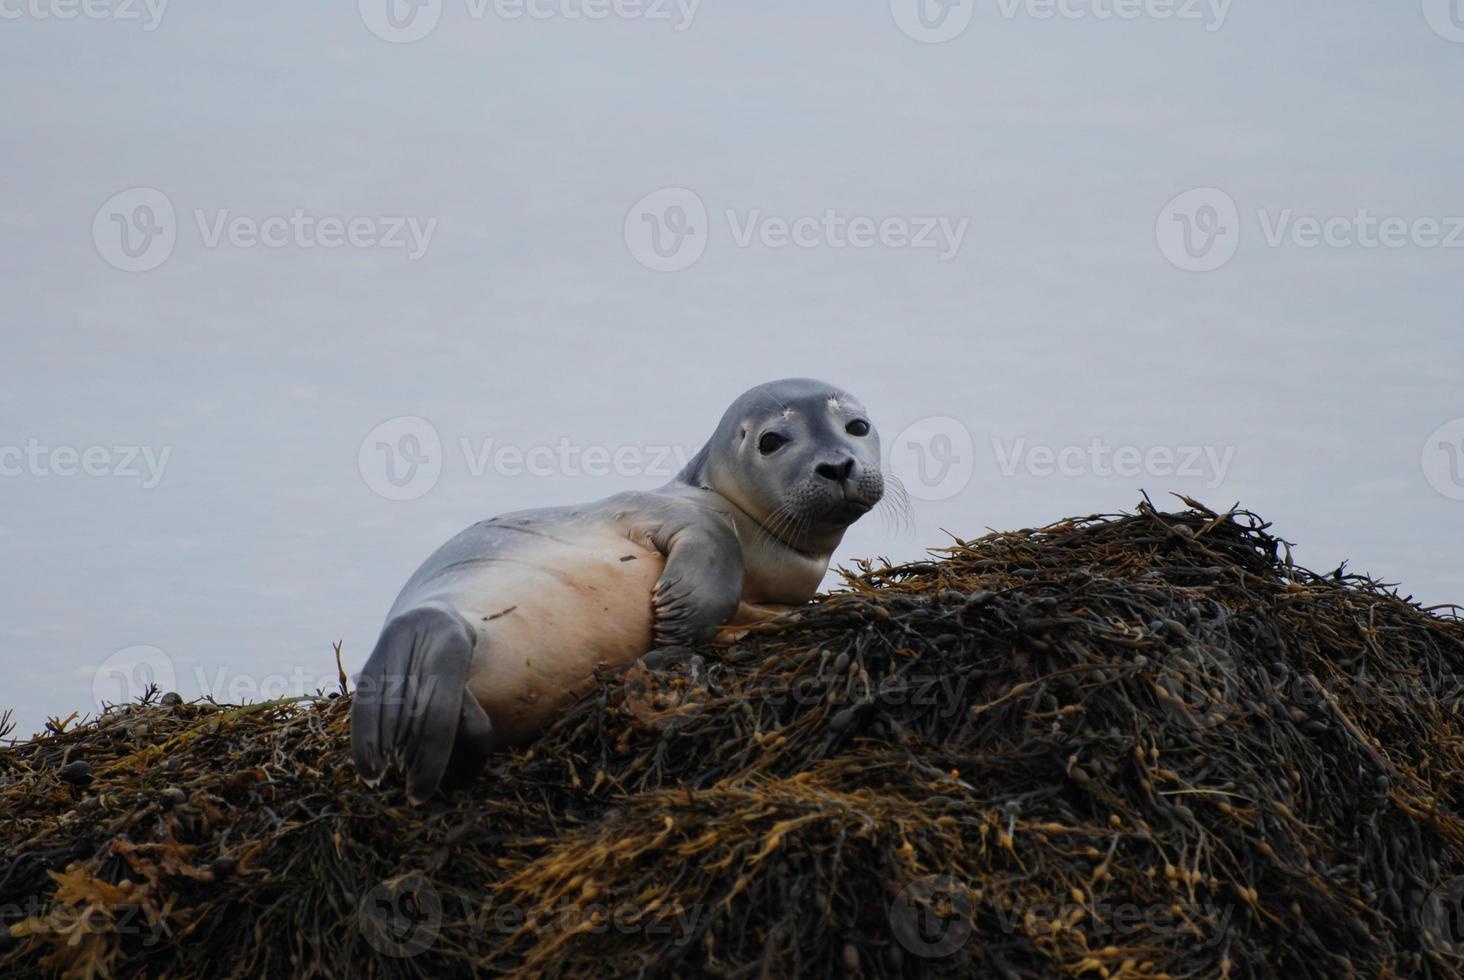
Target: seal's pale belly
{"points": [[546, 614]]}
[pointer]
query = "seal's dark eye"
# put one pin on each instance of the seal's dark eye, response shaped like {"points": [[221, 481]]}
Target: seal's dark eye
{"points": [[858, 427], [770, 443]]}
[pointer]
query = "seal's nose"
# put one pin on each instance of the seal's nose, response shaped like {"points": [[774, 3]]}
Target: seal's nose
{"points": [[838, 472]]}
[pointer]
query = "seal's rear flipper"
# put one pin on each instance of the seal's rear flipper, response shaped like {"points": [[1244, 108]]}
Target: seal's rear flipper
{"points": [[411, 706]]}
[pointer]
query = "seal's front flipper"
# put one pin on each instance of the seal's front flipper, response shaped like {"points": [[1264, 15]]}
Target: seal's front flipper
{"points": [[702, 582], [409, 708]]}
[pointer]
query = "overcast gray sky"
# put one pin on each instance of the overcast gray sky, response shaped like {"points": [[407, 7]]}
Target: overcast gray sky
{"points": [[296, 291]]}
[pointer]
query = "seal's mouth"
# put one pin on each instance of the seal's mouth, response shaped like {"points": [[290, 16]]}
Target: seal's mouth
{"points": [[847, 511]]}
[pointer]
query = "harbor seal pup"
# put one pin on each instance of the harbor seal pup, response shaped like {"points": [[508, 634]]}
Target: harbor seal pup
{"points": [[503, 627]]}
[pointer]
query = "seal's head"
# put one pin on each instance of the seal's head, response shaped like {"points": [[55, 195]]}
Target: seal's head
{"points": [[799, 457]]}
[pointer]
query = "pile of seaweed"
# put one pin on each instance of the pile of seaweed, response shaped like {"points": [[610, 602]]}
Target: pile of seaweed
{"points": [[1133, 745]]}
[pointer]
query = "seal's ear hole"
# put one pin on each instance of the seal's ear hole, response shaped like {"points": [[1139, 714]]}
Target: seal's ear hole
{"points": [[858, 427], [770, 443]]}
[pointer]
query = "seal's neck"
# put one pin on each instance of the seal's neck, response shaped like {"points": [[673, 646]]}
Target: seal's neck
{"points": [[775, 571]]}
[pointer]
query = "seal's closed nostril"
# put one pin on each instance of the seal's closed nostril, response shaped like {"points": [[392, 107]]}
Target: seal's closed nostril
{"points": [[835, 471]]}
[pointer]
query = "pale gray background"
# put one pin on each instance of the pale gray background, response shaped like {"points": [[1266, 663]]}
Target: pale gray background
{"points": [[529, 320]]}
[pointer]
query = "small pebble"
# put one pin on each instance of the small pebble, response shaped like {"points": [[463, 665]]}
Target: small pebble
{"points": [[78, 773]]}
